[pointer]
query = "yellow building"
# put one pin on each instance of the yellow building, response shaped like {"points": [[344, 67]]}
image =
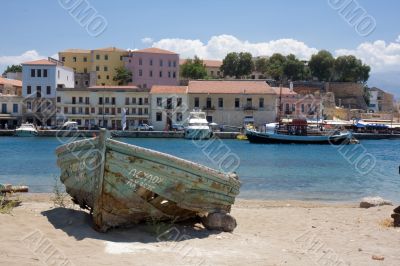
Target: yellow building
{"points": [[100, 63]]}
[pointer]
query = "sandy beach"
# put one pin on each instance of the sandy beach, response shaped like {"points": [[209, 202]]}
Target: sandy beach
{"points": [[268, 233]]}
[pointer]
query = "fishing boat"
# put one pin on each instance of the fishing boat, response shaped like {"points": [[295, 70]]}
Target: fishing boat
{"points": [[124, 184], [198, 127], [26, 130], [297, 131]]}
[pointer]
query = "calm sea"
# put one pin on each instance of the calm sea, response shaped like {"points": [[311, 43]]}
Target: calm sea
{"points": [[305, 172]]}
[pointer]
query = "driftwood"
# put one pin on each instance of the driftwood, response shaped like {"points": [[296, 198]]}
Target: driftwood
{"points": [[13, 189]]}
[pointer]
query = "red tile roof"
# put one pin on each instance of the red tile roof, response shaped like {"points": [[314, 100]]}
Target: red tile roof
{"points": [[230, 87], [285, 91], [73, 50], [12, 82], [40, 62], [159, 89], [153, 50]]}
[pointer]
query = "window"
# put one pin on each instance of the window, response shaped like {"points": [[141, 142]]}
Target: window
{"points": [[146, 100], [93, 110], [161, 63], [58, 99], [107, 110], [118, 110], [45, 73], [85, 59], [107, 77], [249, 102], [196, 102], [29, 105], [87, 110], [32, 73], [38, 91], [3, 108], [121, 58], [160, 74], [63, 58], [106, 57], [140, 101], [287, 107], [169, 74], [74, 59], [220, 102], [133, 100], [237, 102], [212, 73], [100, 110], [140, 72], [99, 77], [158, 116], [208, 103], [80, 110], [97, 68], [140, 62], [107, 100], [179, 101], [151, 73], [174, 74], [80, 99], [151, 62], [86, 82], [174, 63], [28, 90], [100, 100], [105, 68], [126, 101], [73, 100], [15, 108], [73, 110], [159, 101], [48, 90], [65, 110], [302, 108], [97, 57], [113, 100], [140, 111], [261, 103], [146, 111], [178, 117], [133, 111]]}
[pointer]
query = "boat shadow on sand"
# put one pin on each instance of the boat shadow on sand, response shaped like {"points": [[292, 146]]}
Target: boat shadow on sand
{"points": [[78, 224]]}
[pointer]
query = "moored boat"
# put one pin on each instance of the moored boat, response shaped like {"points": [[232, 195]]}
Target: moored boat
{"points": [[26, 130], [198, 127], [123, 184]]}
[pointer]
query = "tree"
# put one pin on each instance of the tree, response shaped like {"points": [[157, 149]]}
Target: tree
{"points": [[275, 66], [194, 69], [123, 76], [348, 68], [237, 64], [261, 65], [294, 69], [13, 68], [321, 65]]}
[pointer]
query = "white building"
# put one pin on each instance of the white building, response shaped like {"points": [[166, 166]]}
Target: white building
{"points": [[103, 106], [10, 111], [169, 105], [41, 78]]}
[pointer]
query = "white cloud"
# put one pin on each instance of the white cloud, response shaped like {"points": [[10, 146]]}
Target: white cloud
{"points": [[381, 56], [147, 40], [18, 59], [398, 39], [218, 46]]}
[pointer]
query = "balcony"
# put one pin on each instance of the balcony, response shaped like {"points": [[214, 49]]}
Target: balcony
{"points": [[209, 108], [169, 107], [249, 108]]}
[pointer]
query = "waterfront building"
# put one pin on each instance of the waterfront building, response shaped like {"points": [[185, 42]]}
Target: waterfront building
{"points": [[380, 101], [10, 111], [10, 86], [169, 105], [103, 106], [41, 78], [232, 103], [294, 105], [100, 64], [153, 66]]}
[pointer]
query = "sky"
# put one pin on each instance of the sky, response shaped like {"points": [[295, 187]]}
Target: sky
{"points": [[209, 29]]}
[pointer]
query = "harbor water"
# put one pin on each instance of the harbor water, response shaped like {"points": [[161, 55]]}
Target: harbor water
{"points": [[299, 172]]}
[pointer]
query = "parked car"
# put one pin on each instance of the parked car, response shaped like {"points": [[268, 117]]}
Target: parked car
{"points": [[70, 125], [145, 127], [178, 127]]}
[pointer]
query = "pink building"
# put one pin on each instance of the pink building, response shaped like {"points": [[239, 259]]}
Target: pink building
{"points": [[296, 105], [153, 66]]}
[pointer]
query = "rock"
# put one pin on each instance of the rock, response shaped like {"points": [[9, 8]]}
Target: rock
{"points": [[396, 218], [397, 210], [369, 202], [376, 257], [219, 221]]}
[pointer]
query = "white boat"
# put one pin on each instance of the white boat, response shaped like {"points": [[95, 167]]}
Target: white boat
{"points": [[26, 130], [198, 127]]}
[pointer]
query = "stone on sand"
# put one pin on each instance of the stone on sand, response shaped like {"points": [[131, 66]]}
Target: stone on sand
{"points": [[369, 202], [219, 221]]}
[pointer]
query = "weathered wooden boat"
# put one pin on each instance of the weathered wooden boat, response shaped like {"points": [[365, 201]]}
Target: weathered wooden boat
{"points": [[123, 184], [8, 188]]}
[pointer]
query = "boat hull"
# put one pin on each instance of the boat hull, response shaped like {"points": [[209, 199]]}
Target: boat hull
{"points": [[198, 134], [261, 137], [124, 184], [26, 133]]}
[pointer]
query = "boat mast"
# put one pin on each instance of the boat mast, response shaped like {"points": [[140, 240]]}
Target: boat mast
{"points": [[280, 105]]}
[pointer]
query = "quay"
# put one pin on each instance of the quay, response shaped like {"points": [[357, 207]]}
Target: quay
{"points": [[118, 134]]}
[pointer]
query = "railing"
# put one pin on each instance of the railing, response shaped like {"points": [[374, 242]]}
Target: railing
{"points": [[249, 108], [209, 108]]}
